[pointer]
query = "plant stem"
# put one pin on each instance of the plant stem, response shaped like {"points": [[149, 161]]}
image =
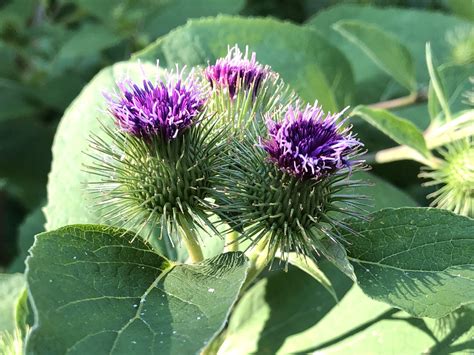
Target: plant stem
{"points": [[450, 132], [191, 242], [401, 101], [399, 153], [259, 257], [232, 241], [436, 84]]}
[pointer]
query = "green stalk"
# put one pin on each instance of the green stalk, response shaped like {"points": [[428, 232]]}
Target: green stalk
{"points": [[259, 257], [232, 241], [190, 241], [436, 84]]}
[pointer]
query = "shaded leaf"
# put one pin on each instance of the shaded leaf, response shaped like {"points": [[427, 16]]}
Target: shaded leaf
{"points": [[176, 12], [86, 41], [309, 266], [284, 304], [358, 325], [33, 224], [383, 48]]}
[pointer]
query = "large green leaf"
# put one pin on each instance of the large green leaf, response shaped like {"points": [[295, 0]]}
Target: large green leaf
{"points": [[12, 288], [412, 27], [305, 60], [100, 290], [358, 325], [312, 269], [279, 306], [384, 48], [286, 314], [399, 129], [418, 259]]}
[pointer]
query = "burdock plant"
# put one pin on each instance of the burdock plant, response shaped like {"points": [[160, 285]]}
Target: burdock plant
{"points": [[288, 190], [156, 166]]}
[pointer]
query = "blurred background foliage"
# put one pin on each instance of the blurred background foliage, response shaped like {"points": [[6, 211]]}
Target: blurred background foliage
{"points": [[50, 49]]}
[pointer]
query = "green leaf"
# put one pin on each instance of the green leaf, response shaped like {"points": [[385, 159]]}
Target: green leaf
{"points": [[26, 173], [381, 193], [176, 12], [156, 20], [12, 290], [100, 290], [336, 253], [358, 325], [33, 224], [462, 8], [309, 266], [316, 70], [418, 259], [455, 84], [383, 48], [86, 41], [412, 27], [277, 307], [399, 129]]}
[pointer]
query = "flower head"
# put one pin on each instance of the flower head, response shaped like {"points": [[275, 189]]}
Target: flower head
{"points": [[455, 178], [237, 72], [309, 145], [154, 171], [295, 191], [156, 109]]}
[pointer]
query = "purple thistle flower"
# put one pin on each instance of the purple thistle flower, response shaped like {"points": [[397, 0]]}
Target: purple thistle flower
{"points": [[236, 71], [308, 145], [163, 109]]}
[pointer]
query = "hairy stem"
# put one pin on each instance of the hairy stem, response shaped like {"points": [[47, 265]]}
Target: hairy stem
{"points": [[411, 99], [191, 242], [259, 257], [400, 153], [232, 241], [435, 137]]}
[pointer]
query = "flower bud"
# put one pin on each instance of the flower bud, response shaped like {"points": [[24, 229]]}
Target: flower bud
{"points": [[242, 90], [455, 178], [290, 187], [157, 168]]}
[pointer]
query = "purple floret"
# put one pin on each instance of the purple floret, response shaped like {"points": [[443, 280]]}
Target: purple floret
{"points": [[308, 145], [236, 72], [162, 109]]}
